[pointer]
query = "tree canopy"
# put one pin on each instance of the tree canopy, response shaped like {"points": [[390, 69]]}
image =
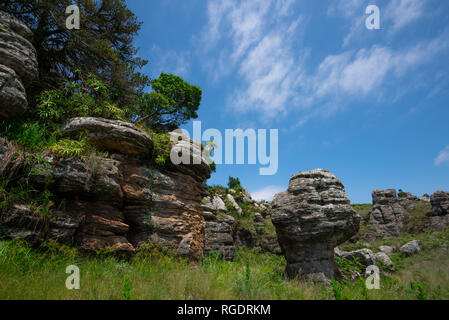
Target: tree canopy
{"points": [[102, 46], [171, 103]]}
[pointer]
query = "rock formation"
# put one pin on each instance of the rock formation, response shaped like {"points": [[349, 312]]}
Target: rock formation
{"points": [[111, 135], [411, 248], [215, 203], [388, 212], [18, 65], [218, 235], [364, 256], [440, 203], [234, 204], [115, 203], [311, 218]]}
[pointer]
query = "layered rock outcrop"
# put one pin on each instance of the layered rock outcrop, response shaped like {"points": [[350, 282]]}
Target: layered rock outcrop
{"points": [[218, 235], [115, 203], [440, 203], [311, 218], [18, 65], [111, 135], [389, 212]]}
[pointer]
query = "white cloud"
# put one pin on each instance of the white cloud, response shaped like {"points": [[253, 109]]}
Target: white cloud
{"points": [[443, 157], [403, 12], [259, 42], [267, 193], [260, 52]]}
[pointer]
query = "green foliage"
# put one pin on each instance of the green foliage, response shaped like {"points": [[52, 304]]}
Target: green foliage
{"points": [[348, 266], [417, 288], [171, 103], [213, 166], [67, 148], [86, 97], [162, 147], [234, 183], [31, 135], [127, 288], [337, 289], [104, 45], [155, 274]]}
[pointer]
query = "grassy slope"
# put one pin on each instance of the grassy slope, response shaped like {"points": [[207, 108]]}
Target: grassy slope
{"points": [[39, 273]]}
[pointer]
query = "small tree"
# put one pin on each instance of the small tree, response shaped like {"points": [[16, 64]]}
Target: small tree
{"points": [[171, 103], [234, 183]]}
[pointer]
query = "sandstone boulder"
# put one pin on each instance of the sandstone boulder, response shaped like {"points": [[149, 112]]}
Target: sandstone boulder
{"points": [[411, 248], [111, 135], [311, 218], [383, 258]]}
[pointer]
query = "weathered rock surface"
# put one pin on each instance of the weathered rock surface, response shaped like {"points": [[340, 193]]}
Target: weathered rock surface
{"points": [[18, 64], [218, 236], [113, 204], [16, 52], [21, 222], [258, 218], [411, 248], [189, 157], [214, 204], [388, 212], [440, 203], [13, 100], [311, 218], [363, 256], [386, 249], [234, 204], [164, 208], [383, 258], [111, 135]]}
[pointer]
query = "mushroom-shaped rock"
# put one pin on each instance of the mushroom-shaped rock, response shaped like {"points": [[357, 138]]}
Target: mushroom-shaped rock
{"points": [[111, 135], [311, 218]]}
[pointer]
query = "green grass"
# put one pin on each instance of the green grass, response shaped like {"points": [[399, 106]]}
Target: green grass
{"points": [[363, 209], [39, 273]]}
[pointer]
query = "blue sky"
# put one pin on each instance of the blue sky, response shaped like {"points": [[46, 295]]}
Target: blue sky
{"points": [[371, 106]]}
